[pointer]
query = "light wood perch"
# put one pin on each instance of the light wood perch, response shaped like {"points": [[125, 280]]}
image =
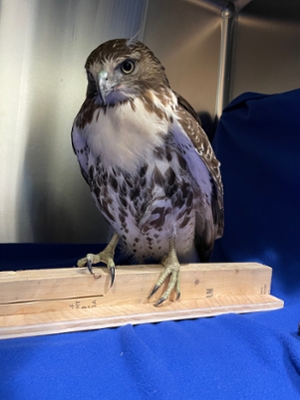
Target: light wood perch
{"points": [[38, 302]]}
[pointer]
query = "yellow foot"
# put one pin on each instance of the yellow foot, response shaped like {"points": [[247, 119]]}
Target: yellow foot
{"points": [[92, 259], [172, 268], [106, 256]]}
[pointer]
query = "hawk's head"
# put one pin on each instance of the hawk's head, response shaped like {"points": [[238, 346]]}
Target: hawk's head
{"points": [[122, 69]]}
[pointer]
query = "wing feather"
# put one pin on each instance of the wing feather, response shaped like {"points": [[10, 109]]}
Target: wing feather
{"points": [[80, 149], [186, 105], [205, 168]]}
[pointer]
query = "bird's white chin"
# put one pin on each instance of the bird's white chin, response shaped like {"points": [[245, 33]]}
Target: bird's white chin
{"points": [[113, 97]]}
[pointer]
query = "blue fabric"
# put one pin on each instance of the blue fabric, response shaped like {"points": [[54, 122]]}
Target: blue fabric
{"points": [[258, 145], [250, 356]]}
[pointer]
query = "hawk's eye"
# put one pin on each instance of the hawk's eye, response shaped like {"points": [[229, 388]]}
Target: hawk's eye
{"points": [[127, 67]]}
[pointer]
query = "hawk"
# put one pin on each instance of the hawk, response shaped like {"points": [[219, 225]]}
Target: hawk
{"points": [[149, 164]]}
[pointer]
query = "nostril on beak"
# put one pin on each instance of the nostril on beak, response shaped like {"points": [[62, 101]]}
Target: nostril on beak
{"points": [[103, 76]]}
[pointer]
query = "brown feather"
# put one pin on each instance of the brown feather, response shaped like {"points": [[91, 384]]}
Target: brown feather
{"points": [[159, 192]]}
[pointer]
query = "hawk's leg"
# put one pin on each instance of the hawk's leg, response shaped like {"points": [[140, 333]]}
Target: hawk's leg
{"points": [[106, 256], [171, 267]]}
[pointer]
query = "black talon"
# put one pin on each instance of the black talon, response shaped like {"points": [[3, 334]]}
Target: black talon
{"points": [[90, 268], [178, 296], [156, 287], [161, 300], [89, 265], [112, 275]]}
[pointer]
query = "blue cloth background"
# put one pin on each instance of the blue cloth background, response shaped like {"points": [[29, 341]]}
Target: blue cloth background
{"points": [[250, 356]]}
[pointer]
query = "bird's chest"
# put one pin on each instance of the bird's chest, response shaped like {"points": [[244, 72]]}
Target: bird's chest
{"points": [[148, 206], [123, 135]]}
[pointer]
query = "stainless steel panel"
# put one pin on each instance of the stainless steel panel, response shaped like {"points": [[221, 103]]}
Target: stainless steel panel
{"points": [[267, 48], [43, 47], [185, 36]]}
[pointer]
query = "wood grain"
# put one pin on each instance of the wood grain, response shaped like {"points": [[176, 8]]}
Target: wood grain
{"points": [[36, 302]]}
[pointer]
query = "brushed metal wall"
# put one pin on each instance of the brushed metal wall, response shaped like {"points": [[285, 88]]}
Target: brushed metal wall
{"points": [[43, 47], [185, 36], [267, 47]]}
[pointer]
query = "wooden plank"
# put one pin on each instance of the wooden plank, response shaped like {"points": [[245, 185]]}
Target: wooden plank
{"points": [[132, 285], [62, 300], [13, 326]]}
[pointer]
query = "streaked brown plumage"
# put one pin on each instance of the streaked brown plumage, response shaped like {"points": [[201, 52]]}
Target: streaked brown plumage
{"points": [[148, 162]]}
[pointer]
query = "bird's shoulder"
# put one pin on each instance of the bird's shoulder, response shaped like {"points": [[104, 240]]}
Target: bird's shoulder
{"points": [[191, 134], [191, 127]]}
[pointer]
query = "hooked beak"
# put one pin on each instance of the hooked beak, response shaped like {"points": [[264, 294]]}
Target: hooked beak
{"points": [[105, 86]]}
